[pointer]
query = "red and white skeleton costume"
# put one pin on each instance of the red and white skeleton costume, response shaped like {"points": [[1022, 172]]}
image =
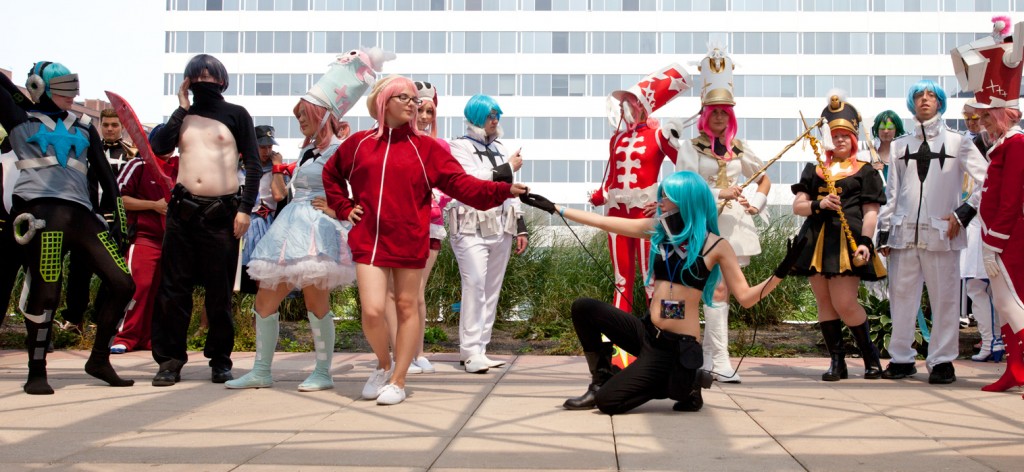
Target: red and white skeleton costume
{"points": [[635, 155]]}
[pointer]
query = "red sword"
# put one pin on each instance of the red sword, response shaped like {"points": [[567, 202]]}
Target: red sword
{"points": [[131, 124]]}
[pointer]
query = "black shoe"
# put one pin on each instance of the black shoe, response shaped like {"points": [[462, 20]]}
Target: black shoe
{"points": [[166, 378], [692, 403], [221, 376], [587, 401], [897, 370], [942, 374]]}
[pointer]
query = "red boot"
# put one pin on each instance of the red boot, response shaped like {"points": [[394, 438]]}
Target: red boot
{"points": [[1014, 374]]}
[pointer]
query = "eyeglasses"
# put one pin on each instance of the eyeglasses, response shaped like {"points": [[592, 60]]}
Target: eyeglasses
{"points": [[405, 99], [494, 117], [971, 117]]}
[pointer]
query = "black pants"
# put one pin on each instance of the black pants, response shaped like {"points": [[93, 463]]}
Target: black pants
{"points": [[76, 300], [70, 226], [665, 365], [199, 249]]}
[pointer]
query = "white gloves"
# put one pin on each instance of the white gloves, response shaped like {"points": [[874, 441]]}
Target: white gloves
{"points": [[758, 200], [988, 256]]}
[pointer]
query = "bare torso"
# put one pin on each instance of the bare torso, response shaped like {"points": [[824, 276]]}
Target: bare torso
{"points": [[208, 165], [690, 324]]}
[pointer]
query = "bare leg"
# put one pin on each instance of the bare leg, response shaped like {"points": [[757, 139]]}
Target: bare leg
{"points": [[407, 284], [373, 283], [391, 313], [431, 259], [268, 299]]}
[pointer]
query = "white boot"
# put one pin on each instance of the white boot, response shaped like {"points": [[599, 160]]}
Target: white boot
{"points": [[716, 343]]}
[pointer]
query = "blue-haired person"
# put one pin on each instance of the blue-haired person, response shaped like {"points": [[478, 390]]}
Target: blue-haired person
{"points": [[921, 232], [482, 240], [688, 260], [58, 156]]}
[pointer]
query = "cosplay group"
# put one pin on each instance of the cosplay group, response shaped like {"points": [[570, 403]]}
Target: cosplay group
{"points": [[371, 208]]}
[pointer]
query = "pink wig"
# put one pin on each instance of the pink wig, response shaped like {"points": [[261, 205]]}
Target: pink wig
{"points": [[433, 122], [853, 145], [730, 129], [1004, 22], [377, 102], [315, 114], [1004, 118]]}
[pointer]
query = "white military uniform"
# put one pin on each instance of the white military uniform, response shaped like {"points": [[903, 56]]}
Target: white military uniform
{"points": [[913, 224], [482, 240], [734, 224]]}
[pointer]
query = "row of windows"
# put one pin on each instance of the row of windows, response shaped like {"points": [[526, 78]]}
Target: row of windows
{"points": [[595, 85], [753, 129], [563, 42], [599, 5]]}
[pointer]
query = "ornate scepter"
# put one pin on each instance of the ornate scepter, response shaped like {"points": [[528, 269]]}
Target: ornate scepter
{"points": [[764, 168], [830, 183]]}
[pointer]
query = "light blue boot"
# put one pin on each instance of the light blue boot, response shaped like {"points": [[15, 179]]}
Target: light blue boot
{"points": [[323, 341], [267, 330]]}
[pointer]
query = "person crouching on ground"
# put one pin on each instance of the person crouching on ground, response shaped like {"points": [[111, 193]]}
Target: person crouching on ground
{"points": [[688, 259]]}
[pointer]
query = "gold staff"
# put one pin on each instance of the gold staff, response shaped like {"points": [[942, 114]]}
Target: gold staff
{"points": [[857, 260], [764, 168]]}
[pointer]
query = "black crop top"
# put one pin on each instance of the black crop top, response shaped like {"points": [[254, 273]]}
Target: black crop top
{"points": [[693, 277]]}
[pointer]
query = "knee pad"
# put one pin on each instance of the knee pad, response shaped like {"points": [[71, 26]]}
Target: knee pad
{"points": [[50, 247], [111, 247]]}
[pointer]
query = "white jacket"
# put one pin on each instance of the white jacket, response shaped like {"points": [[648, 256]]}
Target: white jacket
{"points": [[475, 152], [915, 212]]}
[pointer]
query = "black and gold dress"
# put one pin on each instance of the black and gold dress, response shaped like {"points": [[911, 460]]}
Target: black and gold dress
{"points": [[827, 251]]}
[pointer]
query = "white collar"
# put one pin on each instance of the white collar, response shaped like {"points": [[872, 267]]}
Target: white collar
{"points": [[932, 127]]}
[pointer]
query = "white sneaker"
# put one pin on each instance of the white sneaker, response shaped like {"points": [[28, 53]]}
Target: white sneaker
{"points": [[477, 364], [414, 369], [424, 364], [390, 394], [375, 383], [491, 362]]}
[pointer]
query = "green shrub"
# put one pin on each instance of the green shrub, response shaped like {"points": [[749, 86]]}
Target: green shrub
{"points": [[789, 300], [434, 335]]}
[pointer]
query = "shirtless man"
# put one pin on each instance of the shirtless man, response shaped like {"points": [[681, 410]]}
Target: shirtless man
{"points": [[205, 218]]}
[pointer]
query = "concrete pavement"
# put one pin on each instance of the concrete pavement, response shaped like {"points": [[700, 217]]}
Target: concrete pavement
{"points": [[781, 418]]}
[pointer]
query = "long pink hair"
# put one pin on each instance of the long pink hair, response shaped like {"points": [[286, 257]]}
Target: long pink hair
{"points": [[315, 114], [703, 124], [433, 123], [377, 102], [1004, 119], [853, 146]]}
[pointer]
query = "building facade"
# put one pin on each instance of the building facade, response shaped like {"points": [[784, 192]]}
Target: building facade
{"points": [[552, 63]]}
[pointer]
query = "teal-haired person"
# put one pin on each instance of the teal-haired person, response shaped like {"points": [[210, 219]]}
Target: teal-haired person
{"points": [[688, 260]]}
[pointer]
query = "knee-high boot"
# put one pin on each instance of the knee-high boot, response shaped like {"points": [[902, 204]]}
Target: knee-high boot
{"points": [[868, 350], [600, 364], [1014, 374], [716, 343], [267, 331], [39, 329], [832, 331], [323, 342]]}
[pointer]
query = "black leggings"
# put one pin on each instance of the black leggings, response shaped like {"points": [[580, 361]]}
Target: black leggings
{"points": [[70, 226], [665, 366]]}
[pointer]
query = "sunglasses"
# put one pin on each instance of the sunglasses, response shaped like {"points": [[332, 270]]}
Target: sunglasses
{"points": [[971, 117]]}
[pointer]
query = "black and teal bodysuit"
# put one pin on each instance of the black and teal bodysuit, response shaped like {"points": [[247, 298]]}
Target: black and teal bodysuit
{"points": [[56, 151]]}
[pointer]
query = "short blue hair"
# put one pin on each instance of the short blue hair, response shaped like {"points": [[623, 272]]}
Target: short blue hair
{"points": [[691, 194], [478, 107], [929, 85], [48, 71]]}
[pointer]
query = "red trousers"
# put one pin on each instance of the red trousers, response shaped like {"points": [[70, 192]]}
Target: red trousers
{"points": [[625, 253], [144, 261]]}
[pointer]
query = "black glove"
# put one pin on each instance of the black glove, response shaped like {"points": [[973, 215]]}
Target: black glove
{"points": [[793, 249], [538, 202], [866, 241]]}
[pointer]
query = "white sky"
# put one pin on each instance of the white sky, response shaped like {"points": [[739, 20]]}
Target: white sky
{"points": [[114, 45]]}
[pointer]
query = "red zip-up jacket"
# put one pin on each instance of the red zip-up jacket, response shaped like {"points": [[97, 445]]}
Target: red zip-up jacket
{"points": [[391, 178]]}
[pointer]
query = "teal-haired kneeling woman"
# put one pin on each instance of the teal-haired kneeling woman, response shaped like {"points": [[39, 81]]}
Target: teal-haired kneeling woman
{"points": [[688, 259]]}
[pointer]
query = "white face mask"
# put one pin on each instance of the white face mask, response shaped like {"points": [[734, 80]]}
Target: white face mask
{"points": [[672, 223]]}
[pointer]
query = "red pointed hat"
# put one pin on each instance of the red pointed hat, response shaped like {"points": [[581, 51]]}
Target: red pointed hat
{"points": [[658, 88], [991, 68]]}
